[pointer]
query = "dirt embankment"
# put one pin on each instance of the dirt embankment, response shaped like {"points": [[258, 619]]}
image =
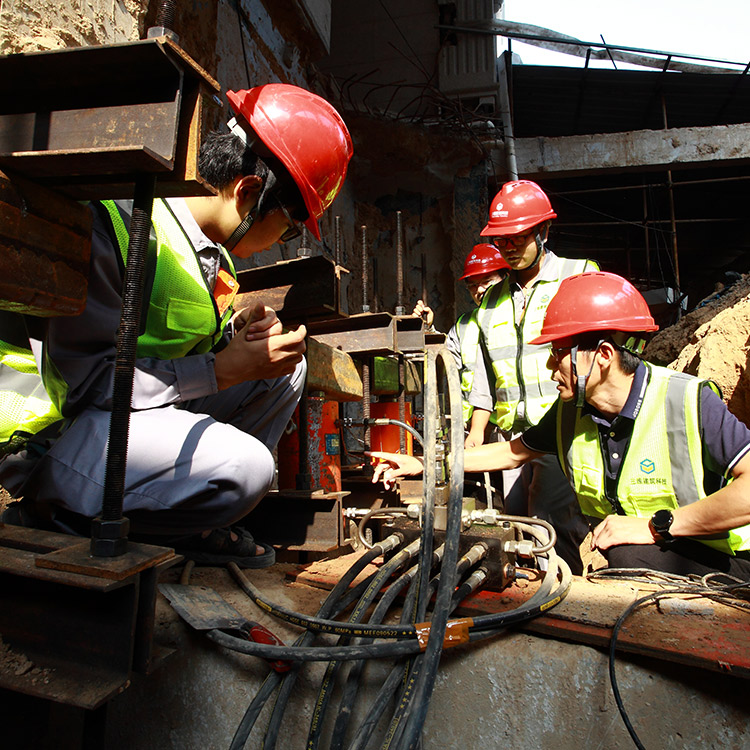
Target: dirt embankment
{"points": [[712, 342]]}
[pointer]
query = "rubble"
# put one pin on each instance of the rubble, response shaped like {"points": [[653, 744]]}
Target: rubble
{"points": [[711, 341]]}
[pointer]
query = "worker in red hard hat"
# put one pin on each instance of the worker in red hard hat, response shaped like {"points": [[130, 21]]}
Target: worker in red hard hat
{"points": [[214, 388], [520, 389], [658, 463], [484, 266]]}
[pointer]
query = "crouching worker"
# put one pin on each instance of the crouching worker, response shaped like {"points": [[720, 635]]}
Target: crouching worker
{"points": [[213, 391], [655, 458]]}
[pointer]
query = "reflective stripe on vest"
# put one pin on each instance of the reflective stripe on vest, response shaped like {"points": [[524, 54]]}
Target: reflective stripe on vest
{"points": [[524, 390], [663, 463], [24, 405], [182, 317], [467, 330]]}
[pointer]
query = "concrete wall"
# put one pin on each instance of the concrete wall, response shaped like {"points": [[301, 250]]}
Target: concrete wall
{"points": [[516, 690]]}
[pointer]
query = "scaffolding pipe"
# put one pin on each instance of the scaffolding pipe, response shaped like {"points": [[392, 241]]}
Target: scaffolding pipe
{"points": [[646, 237], [676, 183], [672, 217], [503, 94]]}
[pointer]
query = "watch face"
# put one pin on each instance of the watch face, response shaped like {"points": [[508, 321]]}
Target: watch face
{"points": [[662, 520]]}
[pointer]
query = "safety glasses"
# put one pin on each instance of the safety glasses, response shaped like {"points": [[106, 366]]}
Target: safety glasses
{"points": [[559, 352], [514, 240], [293, 231]]}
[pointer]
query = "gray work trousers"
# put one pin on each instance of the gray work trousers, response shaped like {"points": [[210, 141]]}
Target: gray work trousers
{"points": [[539, 488], [201, 465]]}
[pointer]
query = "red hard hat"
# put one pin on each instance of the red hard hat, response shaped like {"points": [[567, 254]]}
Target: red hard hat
{"points": [[483, 258], [305, 133], [519, 206], [595, 301]]}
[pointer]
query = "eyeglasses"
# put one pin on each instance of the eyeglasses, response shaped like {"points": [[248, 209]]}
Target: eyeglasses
{"points": [[514, 240], [559, 352], [477, 283], [293, 231]]}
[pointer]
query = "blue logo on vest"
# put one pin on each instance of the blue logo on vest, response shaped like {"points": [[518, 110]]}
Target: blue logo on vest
{"points": [[648, 466]]}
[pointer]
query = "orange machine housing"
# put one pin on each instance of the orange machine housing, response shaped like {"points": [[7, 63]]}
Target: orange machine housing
{"points": [[323, 448], [388, 437]]}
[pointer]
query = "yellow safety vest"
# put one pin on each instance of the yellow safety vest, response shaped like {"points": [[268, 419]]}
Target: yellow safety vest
{"points": [[182, 318], [25, 407], [182, 314], [663, 463], [524, 390]]}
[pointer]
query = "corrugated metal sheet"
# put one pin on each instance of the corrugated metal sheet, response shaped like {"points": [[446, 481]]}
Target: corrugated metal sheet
{"points": [[550, 101]]}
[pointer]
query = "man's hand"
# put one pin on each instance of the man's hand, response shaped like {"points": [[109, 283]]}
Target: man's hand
{"points": [[422, 310], [474, 440], [259, 322], [259, 350], [614, 530], [391, 466]]}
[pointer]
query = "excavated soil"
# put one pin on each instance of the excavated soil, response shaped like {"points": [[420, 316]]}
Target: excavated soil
{"points": [[712, 342]]}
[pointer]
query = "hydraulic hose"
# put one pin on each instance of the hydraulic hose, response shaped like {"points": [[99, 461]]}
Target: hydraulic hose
{"points": [[399, 559], [429, 662], [383, 421], [416, 662], [374, 514], [327, 608], [325, 625], [351, 688]]}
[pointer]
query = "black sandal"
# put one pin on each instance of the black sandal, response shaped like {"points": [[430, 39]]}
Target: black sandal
{"points": [[218, 548]]}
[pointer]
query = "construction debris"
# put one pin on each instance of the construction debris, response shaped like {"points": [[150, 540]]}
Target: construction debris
{"points": [[712, 342]]}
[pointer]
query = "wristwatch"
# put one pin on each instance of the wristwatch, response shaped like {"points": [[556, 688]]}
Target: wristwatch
{"points": [[660, 523]]}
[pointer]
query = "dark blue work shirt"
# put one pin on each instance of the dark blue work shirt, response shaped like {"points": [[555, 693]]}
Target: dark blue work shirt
{"points": [[725, 439]]}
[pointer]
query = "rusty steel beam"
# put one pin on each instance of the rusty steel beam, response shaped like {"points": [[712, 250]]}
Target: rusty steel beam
{"points": [[311, 521], [299, 290], [85, 629], [45, 244], [371, 334], [123, 110]]}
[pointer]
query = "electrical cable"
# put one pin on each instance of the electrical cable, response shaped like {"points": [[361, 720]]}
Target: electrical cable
{"points": [[702, 586]]}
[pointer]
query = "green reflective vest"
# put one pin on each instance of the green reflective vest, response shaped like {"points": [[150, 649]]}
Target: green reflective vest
{"points": [[663, 464], [181, 315], [25, 407], [524, 390], [182, 318]]}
